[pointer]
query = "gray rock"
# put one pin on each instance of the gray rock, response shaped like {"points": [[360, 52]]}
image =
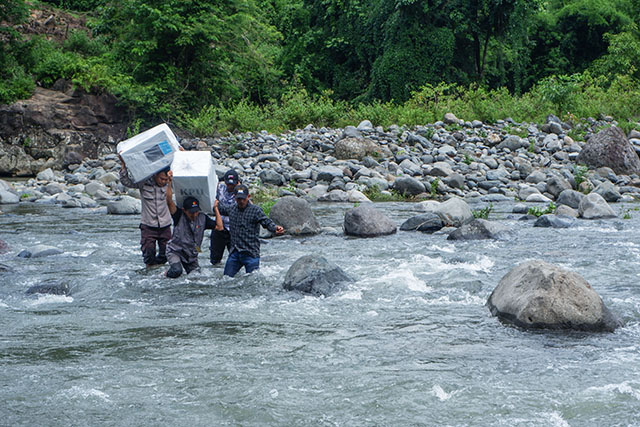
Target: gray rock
{"points": [[40, 251], [334, 196], [269, 176], [537, 198], [126, 205], [450, 119], [313, 274], [7, 198], [536, 294], [365, 125], [536, 177], [570, 198], [366, 221], [610, 148], [608, 191], [328, 173], [427, 223], [46, 175], [455, 180], [564, 210], [513, 142], [295, 216], [527, 191], [479, 229], [93, 187], [49, 287], [555, 221], [441, 169], [410, 168], [454, 211], [557, 184], [593, 206], [355, 148], [408, 186]]}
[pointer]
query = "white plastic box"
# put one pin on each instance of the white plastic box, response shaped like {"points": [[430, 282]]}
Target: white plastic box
{"points": [[148, 152], [194, 175]]}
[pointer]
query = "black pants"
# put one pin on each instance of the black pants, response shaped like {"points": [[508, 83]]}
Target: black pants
{"points": [[219, 241], [148, 238]]}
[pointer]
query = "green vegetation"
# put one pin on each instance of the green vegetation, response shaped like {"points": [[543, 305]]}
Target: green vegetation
{"points": [[265, 197], [579, 173], [484, 212], [467, 159], [245, 65], [374, 194], [537, 212], [625, 212], [434, 188]]}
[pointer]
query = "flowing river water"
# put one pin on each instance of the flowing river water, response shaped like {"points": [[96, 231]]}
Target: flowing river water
{"points": [[410, 342]]}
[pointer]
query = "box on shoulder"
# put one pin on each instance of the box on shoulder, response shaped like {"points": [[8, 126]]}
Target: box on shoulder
{"points": [[148, 152], [194, 175]]}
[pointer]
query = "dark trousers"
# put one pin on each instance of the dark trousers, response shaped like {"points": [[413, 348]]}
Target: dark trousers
{"points": [[236, 260], [177, 263], [219, 241], [149, 237]]}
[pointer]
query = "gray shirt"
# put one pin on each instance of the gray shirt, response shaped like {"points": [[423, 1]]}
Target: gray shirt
{"points": [[155, 211]]}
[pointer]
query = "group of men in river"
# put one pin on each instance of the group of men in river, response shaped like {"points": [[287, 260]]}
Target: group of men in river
{"points": [[236, 225]]}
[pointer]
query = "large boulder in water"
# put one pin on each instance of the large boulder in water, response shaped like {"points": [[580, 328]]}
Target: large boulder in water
{"points": [[454, 211], [427, 223], [610, 148], [594, 206], [366, 221], [126, 205], [295, 215], [313, 274], [479, 229], [536, 294]]}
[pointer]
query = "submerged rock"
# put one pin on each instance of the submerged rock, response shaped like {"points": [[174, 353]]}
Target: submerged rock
{"points": [[536, 294], [366, 221], [313, 274], [555, 221], [427, 223], [39, 251], [479, 229], [52, 288]]}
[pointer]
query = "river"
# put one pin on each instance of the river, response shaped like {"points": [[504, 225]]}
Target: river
{"points": [[410, 342]]}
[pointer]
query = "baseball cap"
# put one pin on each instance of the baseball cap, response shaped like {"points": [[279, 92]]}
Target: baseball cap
{"points": [[242, 192], [191, 204], [231, 177]]}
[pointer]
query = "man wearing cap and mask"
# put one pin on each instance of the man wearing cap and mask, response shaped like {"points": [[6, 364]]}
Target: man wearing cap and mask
{"points": [[245, 220], [220, 237], [189, 224]]}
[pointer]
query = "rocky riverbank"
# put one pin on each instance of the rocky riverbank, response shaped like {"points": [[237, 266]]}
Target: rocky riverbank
{"points": [[472, 160]]}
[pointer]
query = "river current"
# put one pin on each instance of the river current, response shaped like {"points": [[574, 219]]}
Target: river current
{"points": [[410, 342]]}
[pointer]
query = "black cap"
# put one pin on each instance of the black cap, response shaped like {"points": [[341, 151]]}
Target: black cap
{"points": [[191, 204], [242, 192], [231, 177]]}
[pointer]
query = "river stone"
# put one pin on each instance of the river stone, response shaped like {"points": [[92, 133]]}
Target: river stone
{"points": [[570, 198], [313, 274], [479, 229], [50, 287], [593, 206], [7, 198], [608, 191], [269, 176], [454, 211], [427, 223], [40, 251], [328, 173], [556, 185], [536, 294], [610, 148], [126, 205], [408, 186], [355, 196], [334, 196], [46, 175], [537, 198], [355, 148], [450, 119], [295, 216], [367, 221], [93, 187], [565, 210], [555, 221], [526, 191]]}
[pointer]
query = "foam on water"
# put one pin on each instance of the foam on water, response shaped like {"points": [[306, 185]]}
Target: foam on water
{"points": [[352, 295], [76, 392], [50, 299], [624, 388], [483, 264], [556, 419], [439, 392]]}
